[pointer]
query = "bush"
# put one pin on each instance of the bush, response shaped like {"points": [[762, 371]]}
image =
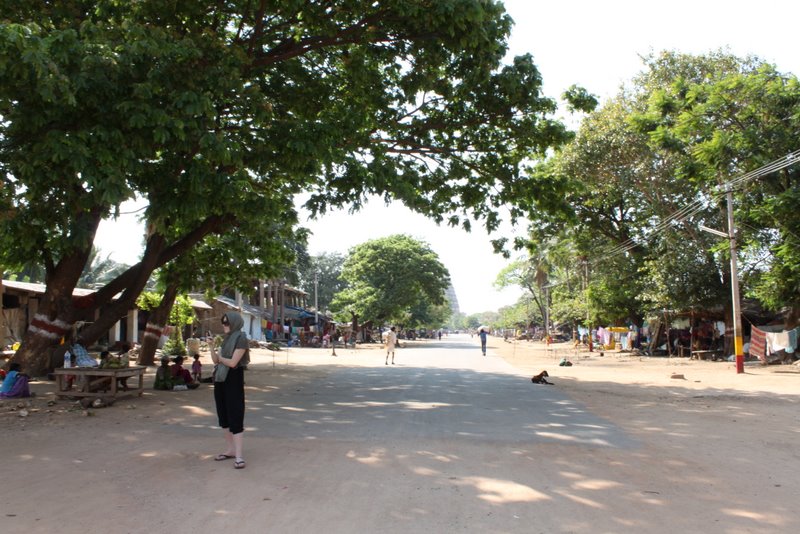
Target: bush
{"points": [[174, 346]]}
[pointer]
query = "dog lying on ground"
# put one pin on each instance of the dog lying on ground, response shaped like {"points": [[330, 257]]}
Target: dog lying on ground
{"points": [[540, 378]]}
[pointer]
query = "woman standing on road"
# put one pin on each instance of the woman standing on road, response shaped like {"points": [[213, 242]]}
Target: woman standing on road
{"points": [[230, 363]]}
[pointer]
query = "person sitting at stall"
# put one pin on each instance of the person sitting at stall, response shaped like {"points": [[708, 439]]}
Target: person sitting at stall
{"points": [[125, 353], [107, 361], [181, 376], [10, 377], [163, 375], [15, 384], [70, 379], [82, 357]]}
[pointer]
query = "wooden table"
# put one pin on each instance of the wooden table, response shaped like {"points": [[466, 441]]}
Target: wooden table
{"points": [[96, 379]]}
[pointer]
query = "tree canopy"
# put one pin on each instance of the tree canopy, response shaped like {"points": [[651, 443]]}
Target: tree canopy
{"points": [[325, 269], [653, 163], [217, 113], [395, 279]]}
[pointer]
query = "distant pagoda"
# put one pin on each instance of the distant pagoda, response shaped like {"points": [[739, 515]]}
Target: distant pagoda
{"points": [[450, 293]]}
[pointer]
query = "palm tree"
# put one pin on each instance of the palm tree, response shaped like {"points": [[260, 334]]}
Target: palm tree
{"points": [[98, 272]]}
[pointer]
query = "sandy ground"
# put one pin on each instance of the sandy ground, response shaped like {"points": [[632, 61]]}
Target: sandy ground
{"points": [[713, 451]]}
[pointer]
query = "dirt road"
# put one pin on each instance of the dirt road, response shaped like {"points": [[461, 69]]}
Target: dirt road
{"points": [[446, 440]]}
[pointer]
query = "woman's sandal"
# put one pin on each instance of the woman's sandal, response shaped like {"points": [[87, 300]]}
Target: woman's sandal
{"points": [[239, 463], [220, 457]]}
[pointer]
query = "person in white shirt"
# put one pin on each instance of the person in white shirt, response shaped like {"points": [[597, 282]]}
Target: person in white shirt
{"points": [[391, 341]]}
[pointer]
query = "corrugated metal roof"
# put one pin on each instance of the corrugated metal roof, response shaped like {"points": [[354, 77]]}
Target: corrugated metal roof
{"points": [[40, 288], [201, 305], [290, 312], [256, 311]]}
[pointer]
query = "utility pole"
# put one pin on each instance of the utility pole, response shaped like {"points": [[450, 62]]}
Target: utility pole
{"points": [[546, 309], [262, 305], [2, 321], [737, 314], [586, 290], [316, 304]]}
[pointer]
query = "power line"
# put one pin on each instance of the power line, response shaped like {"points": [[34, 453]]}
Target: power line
{"points": [[700, 205]]}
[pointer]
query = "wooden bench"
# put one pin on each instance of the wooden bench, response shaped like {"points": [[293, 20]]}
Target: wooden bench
{"points": [[95, 379]]}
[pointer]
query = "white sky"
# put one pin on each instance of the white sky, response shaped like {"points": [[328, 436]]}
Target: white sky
{"points": [[593, 44]]}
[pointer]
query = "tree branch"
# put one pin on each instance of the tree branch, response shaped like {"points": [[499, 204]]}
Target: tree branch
{"points": [[356, 33]]}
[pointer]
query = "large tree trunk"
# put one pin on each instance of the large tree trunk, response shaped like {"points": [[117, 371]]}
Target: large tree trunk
{"points": [[137, 280], [155, 325], [57, 313]]}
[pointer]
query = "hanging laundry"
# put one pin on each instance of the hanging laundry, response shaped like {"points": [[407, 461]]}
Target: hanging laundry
{"points": [[758, 344], [793, 334], [777, 340], [720, 325]]}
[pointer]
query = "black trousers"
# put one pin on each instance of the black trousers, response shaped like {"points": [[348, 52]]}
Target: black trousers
{"points": [[229, 397]]}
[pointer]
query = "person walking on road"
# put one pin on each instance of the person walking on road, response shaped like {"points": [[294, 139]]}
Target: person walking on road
{"points": [[482, 334], [391, 341]]}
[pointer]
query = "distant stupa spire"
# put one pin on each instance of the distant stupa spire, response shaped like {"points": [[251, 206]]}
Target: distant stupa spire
{"points": [[450, 293]]}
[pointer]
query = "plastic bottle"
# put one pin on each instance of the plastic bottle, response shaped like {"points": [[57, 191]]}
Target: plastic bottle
{"points": [[67, 360]]}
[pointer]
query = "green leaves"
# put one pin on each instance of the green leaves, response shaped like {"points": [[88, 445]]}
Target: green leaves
{"points": [[687, 125], [723, 126], [392, 279], [579, 99], [214, 112]]}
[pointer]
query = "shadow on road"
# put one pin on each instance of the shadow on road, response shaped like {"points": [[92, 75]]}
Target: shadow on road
{"points": [[409, 402]]}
